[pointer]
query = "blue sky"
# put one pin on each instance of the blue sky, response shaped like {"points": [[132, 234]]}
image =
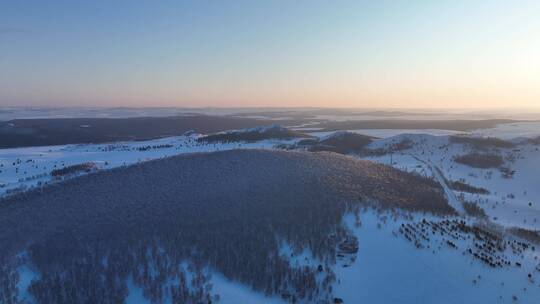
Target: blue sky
{"points": [[270, 53]]}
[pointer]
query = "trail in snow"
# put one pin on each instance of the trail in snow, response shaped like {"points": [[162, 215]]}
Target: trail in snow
{"points": [[450, 195]]}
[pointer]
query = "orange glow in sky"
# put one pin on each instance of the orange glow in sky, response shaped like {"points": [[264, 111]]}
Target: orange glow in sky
{"points": [[405, 54]]}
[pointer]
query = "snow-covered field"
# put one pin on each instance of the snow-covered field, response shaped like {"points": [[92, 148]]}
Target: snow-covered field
{"points": [[390, 269], [23, 168], [512, 201]]}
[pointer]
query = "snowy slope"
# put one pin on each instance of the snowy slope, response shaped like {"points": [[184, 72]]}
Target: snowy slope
{"points": [[512, 201], [22, 168], [389, 269], [383, 133]]}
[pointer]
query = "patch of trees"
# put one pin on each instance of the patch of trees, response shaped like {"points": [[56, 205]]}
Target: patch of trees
{"points": [[481, 242], [482, 142], [343, 142], [253, 135], [339, 142], [472, 209], [464, 187], [73, 169], [307, 142], [480, 160], [60, 131], [507, 172], [402, 145], [165, 224], [527, 234], [154, 147], [535, 141]]}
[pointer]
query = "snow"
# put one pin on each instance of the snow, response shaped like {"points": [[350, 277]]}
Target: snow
{"points": [[135, 294], [512, 202], [302, 129], [28, 167], [508, 201], [439, 177], [336, 134], [26, 275], [235, 293], [386, 133], [389, 269], [229, 292], [511, 130], [506, 131]]}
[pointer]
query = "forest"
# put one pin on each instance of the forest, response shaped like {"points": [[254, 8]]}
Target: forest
{"points": [[167, 224], [252, 135], [480, 160]]}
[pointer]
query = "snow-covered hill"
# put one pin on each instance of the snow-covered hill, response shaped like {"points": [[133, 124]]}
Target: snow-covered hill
{"points": [[23, 168], [513, 199], [402, 257]]}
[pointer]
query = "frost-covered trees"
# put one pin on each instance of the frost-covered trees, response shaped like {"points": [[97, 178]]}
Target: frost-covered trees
{"points": [[166, 225]]}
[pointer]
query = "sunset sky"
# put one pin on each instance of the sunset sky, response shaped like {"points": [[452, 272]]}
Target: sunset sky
{"points": [[405, 54]]}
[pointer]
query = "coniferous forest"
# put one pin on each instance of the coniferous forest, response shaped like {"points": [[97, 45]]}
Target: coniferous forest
{"points": [[166, 225]]}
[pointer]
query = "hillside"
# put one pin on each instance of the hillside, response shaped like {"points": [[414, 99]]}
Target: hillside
{"points": [[253, 134], [342, 142], [231, 211]]}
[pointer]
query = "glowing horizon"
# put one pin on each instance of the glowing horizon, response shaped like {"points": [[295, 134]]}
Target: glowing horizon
{"points": [[346, 54]]}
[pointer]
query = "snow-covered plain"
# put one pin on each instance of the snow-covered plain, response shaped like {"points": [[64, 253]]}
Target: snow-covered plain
{"points": [[389, 269]]}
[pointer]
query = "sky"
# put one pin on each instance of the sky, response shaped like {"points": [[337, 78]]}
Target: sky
{"points": [[274, 53]]}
